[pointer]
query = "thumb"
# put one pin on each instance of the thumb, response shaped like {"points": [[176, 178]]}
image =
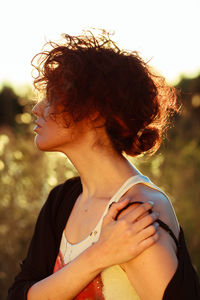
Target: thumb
{"points": [[114, 208]]}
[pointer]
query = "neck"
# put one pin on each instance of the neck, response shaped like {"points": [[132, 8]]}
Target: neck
{"points": [[102, 170]]}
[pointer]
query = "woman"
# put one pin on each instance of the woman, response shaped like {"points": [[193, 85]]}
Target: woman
{"points": [[89, 242]]}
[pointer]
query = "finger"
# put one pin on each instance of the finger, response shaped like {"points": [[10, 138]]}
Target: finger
{"points": [[114, 209], [148, 231], [139, 211], [146, 243], [128, 208], [145, 221]]}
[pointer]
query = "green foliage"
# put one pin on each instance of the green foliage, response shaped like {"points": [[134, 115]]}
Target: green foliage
{"points": [[27, 175], [176, 167]]}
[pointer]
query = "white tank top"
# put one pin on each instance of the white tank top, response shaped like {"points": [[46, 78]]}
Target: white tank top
{"points": [[116, 285]]}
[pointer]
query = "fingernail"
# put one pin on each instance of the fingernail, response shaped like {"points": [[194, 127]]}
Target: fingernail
{"points": [[151, 202], [156, 224]]}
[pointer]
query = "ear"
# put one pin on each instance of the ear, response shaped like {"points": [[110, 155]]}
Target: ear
{"points": [[94, 116], [96, 120]]}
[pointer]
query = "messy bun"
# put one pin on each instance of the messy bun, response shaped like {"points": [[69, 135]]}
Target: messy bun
{"points": [[134, 143], [90, 74]]}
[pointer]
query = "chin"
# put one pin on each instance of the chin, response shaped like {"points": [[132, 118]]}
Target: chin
{"points": [[42, 144], [47, 144], [42, 147]]}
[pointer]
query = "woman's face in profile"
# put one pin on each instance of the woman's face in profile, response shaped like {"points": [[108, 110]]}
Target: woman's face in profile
{"points": [[52, 134]]}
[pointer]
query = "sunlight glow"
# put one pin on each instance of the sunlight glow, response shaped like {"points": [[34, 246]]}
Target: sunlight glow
{"points": [[164, 31]]}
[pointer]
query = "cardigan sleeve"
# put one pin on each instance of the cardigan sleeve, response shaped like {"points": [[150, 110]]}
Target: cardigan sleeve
{"points": [[184, 284], [37, 265]]}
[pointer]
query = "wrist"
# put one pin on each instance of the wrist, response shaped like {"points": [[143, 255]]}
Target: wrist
{"points": [[95, 255]]}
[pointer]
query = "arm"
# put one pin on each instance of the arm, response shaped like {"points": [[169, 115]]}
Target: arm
{"points": [[151, 271], [69, 281], [35, 266], [38, 265]]}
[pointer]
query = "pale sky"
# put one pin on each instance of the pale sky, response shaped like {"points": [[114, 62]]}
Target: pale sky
{"points": [[165, 31]]}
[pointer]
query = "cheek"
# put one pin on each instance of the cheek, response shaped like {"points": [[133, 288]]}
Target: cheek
{"points": [[50, 138]]}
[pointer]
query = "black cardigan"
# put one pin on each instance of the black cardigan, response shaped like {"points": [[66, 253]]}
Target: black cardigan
{"points": [[47, 236]]}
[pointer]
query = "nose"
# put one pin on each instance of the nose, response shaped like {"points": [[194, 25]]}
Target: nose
{"points": [[37, 110]]}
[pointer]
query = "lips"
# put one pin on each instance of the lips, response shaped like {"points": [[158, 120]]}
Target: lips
{"points": [[37, 127]]}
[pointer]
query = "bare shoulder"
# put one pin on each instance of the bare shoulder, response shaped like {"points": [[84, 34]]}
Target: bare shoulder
{"points": [[155, 266], [162, 204]]}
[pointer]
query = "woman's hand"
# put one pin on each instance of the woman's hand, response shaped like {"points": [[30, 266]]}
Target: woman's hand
{"points": [[124, 239]]}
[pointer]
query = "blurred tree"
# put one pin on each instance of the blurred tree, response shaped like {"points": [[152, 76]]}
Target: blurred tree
{"points": [[24, 188], [176, 167], [9, 106]]}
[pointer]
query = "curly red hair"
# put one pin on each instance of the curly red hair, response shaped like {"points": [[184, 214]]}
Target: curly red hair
{"points": [[90, 74]]}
